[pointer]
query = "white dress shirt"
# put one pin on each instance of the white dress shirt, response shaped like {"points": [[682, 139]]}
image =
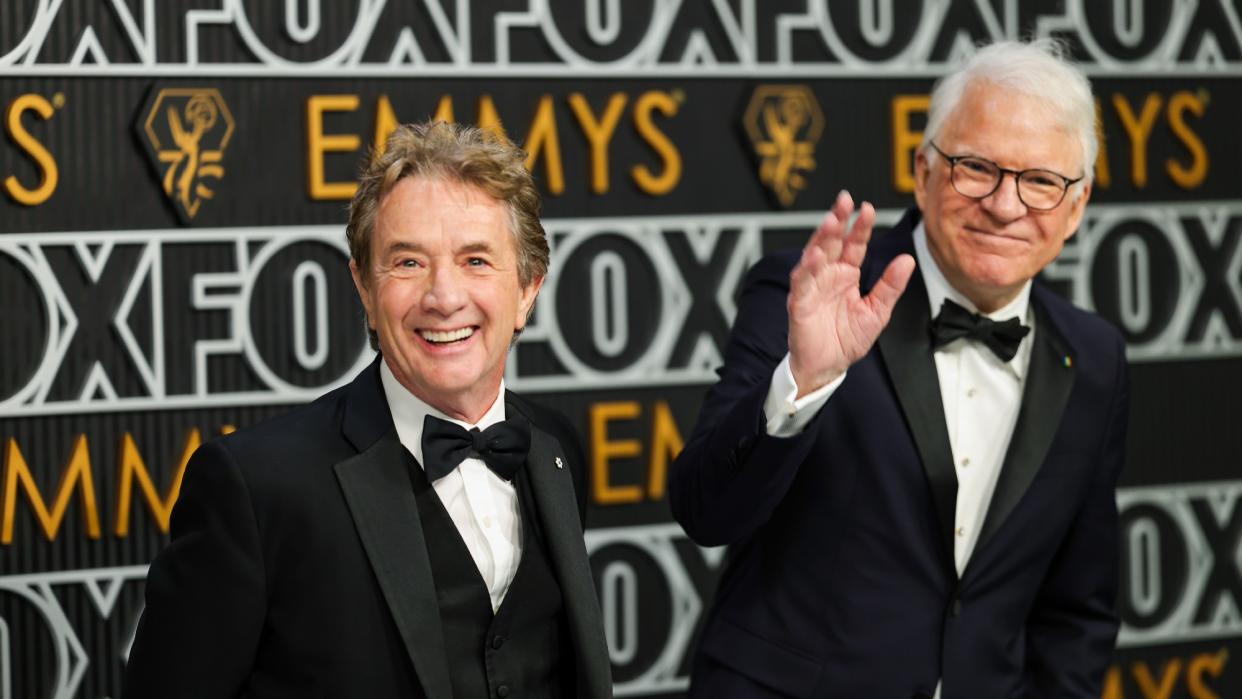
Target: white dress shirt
{"points": [[482, 505], [981, 396]]}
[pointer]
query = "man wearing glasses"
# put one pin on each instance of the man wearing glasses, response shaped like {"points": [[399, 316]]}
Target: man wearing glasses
{"points": [[918, 488]]}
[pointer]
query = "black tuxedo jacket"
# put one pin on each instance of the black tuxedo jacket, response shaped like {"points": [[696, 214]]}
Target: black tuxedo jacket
{"points": [[840, 579], [298, 568]]}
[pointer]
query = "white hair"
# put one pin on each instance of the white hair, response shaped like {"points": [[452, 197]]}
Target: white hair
{"points": [[1039, 68]]}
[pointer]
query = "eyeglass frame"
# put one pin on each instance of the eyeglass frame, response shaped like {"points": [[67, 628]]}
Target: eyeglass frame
{"points": [[1017, 177]]}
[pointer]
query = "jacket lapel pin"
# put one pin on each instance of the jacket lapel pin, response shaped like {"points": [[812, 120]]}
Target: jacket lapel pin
{"points": [[559, 463]]}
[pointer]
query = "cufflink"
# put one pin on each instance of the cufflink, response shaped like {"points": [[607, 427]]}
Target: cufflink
{"points": [[559, 463]]}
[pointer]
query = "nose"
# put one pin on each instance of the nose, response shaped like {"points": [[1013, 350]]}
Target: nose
{"points": [[446, 292], [1004, 203]]}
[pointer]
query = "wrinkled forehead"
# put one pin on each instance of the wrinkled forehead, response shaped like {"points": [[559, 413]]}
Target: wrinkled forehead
{"points": [[422, 194]]}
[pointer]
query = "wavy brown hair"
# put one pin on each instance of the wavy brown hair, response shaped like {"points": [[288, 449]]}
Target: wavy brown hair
{"points": [[465, 154]]}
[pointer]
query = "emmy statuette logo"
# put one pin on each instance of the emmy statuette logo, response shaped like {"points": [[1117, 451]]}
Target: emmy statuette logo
{"points": [[186, 131], [784, 123]]}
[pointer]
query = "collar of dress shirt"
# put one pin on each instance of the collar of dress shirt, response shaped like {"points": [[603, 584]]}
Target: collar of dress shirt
{"points": [[939, 289], [408, 411]]}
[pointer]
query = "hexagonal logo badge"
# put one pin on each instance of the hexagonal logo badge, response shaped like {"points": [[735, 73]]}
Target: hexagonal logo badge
{"points": [[784, 123], [186, 130]]}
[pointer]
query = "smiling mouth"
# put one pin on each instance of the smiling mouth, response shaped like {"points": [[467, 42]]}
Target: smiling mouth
{"points": [[994, 234], [446, 337]]}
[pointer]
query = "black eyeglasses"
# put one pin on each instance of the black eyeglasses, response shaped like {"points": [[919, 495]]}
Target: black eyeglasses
{"points": [[978, 178]]}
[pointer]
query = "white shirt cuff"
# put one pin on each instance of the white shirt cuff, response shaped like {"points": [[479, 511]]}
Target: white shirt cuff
{"points": [[786, 414]]}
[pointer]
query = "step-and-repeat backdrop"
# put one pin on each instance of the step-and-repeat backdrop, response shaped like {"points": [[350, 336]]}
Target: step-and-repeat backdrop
{"points": [[174, 175]]}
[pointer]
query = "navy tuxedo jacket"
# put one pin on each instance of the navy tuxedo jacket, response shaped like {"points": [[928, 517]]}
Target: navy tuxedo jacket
{"points": [[839, 580], [298, 568]]}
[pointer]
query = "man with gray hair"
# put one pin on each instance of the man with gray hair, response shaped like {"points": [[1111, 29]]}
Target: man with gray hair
{"points": [[418, 531], [914, 446]]}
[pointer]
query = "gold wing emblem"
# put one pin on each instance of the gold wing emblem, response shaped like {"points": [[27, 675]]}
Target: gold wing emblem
{"points": [[188, 130], [784, 123]]}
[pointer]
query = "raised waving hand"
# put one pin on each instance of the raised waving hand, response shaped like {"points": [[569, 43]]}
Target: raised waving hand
{"points": [[831, 325]]}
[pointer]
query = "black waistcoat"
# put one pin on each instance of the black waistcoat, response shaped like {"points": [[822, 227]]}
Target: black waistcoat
{"points": [[522, 650]]}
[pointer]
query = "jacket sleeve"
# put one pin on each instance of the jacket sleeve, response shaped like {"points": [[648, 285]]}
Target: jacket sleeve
{"points": [[731, 474], [205, 592], [1072, 626]]}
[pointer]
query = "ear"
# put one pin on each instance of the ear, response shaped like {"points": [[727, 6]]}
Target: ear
{"points": [[922, 169], [363, 294], [526, 301], [1078, 206]]}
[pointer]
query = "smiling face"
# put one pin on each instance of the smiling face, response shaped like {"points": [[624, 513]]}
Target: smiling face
{"points": [[988, 248], [443, 294]]}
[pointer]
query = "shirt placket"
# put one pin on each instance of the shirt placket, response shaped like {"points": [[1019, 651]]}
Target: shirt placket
{"points": [[486, 514], [970, 459]]}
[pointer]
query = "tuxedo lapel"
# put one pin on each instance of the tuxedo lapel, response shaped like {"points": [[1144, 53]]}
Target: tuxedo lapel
{"points": [[377, 489], [1048, 384], [906, 347], [552, 486]]}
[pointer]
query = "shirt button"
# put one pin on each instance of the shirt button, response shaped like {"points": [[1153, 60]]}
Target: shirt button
{"points": [[966, 461], [960, 531], [502, 691], [970, 393], [487, 522]]}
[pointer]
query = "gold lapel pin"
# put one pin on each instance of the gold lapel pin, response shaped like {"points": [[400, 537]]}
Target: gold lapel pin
{"points": [[559, 463], [1067, 361]]}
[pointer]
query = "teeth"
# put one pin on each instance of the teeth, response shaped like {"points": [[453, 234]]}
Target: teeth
{"points": [[446, 335]]}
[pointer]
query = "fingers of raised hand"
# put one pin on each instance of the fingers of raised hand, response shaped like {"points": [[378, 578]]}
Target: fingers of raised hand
{"points": [[831, 234], [888, 289], [855, 244], [827, 237], [804, 279], [843, 206]]}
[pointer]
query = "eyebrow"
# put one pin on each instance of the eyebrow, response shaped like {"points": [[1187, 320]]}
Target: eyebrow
{"points": [[477, 246], [407, 246], [402, 246], [971, 153]]}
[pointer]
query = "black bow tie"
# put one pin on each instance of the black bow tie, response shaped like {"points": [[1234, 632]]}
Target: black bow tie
{"points": [[955, 322], [503, 446]]}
